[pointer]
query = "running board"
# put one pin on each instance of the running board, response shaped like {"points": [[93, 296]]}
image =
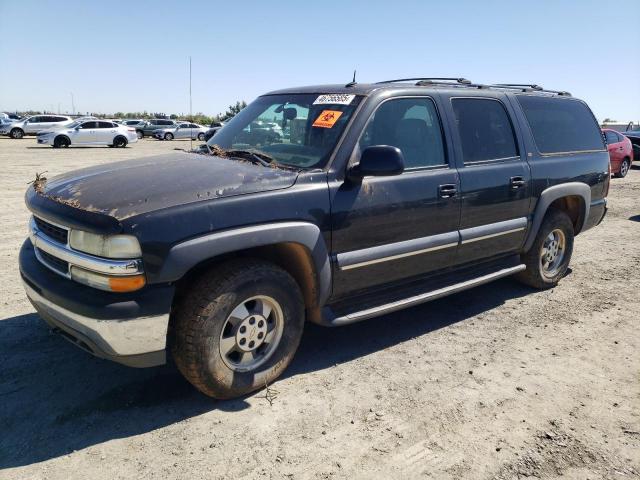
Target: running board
{"points": [[421, 298]]}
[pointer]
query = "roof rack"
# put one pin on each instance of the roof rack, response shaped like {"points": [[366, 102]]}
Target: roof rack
{"points": [[463, 82], [430, 80]]}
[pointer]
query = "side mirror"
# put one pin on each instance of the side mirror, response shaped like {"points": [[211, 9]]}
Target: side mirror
{"points": [[378, 161]]}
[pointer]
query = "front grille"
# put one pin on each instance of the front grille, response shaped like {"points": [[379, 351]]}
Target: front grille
{"points": [[53, 262], [54, 232]]}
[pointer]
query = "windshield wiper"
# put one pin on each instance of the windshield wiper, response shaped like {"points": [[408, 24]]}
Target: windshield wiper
{"points": [[254, 157]]}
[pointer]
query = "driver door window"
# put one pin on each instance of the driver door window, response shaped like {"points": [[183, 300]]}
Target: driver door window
{"points": [[412, 125]]}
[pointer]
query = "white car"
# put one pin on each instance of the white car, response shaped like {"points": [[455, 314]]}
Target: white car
{"points": [[33, 125], [182, 130], [89, 132]]}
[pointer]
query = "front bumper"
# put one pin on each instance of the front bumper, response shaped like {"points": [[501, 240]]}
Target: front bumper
{"points": [[129, 328]]}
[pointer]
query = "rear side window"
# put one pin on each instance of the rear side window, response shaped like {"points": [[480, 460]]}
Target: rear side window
{"points": [[105, 125], [485, 130], [611, 137], [561, 125]]}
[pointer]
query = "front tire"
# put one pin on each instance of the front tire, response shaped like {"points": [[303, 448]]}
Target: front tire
{"points": [[140, 134], [168, 136], [238, 328], [201, 136], [548, 258], [16, 133]]}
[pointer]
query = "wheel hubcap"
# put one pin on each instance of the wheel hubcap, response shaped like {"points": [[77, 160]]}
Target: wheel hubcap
{"points": [[552, 253], [251, 333], [624, 168]]}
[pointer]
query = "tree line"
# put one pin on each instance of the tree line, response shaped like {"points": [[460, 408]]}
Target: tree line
{"points": [[199, 117]]}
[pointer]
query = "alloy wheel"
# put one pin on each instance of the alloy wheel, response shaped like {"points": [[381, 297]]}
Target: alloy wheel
{"points": [[552, 253], [251, 333]]}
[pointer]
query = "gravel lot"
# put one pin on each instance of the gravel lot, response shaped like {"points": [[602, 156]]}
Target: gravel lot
{"points": [[497, 382]]}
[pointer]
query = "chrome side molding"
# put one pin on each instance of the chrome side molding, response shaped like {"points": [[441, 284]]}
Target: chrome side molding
{"points": [[424, 297]]}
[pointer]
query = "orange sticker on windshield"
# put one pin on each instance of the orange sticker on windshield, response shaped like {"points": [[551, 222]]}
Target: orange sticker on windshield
{"points": [[327, 119]]}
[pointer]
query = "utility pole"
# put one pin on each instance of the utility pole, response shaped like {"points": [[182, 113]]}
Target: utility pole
{"points": [[73, 105], [190, 109]]}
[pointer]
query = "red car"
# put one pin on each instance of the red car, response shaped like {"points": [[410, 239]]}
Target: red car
{"points": [[620, 152]]}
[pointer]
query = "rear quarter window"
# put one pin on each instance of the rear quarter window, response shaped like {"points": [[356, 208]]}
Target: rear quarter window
{"points": [[561, 125]]}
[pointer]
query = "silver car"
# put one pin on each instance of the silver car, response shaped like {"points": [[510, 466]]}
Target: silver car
{"points": [[182, 130], [89, 132], [33, 125]]}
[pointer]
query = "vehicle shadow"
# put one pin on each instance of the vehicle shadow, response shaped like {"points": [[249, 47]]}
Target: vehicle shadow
{"points": [[56, 398], [635, 218]]}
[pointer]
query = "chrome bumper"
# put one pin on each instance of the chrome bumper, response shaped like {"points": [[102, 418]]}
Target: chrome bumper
{"points": [[115, 339]]}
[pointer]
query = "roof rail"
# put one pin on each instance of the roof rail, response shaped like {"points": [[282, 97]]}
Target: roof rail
{"points": [[463, 82], [529, 87], [428, 80]]}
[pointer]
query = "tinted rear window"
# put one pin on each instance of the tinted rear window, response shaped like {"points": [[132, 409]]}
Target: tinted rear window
{"points": [[561, 124], [485, 130]]}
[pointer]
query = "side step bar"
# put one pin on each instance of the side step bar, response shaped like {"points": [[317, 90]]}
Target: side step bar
{"points": [[422, 298]]}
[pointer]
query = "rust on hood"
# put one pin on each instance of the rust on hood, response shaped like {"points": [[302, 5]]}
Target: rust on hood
{"points": [[39, 185], [134, 187]]}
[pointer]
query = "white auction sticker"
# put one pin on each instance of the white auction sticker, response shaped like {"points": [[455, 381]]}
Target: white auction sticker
{"points": [[334, 99]]}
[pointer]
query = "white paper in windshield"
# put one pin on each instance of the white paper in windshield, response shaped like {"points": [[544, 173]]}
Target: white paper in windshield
{"points": [[334, 99]]}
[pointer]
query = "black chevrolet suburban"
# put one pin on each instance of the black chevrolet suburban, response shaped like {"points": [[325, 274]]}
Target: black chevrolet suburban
{"points": [[371, 198]]}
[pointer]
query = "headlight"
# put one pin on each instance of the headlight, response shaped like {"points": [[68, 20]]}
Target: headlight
{"points": [[108, 246]]}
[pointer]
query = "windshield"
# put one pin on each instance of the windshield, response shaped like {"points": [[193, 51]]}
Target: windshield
{"points": [[75, 124], [298, 130]]}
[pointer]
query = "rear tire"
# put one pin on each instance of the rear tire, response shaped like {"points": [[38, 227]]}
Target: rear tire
{"points": [[119, 142], [624, 168], [61, 142], [140, 134], [16, 133], [201, 136], [168, 136], [237, 328], [548, 258]]}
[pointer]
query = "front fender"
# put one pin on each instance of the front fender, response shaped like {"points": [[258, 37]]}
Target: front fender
{"points": [[550, 195], [186, 255]]}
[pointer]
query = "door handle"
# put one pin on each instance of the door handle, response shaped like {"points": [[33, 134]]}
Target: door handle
{"points": [[517, 182], [447, 190]]}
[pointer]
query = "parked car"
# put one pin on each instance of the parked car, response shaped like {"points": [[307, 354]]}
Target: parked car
{"points": [[89, 132], [386, 196], [634, 137], [33, 125], [150, 126], [620, 152], [11, 116], [210, 133], [214, 127], [132, 122], [182, 130]]}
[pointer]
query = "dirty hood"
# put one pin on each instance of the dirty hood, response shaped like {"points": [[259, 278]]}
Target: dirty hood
{"points": [[135, 187]]}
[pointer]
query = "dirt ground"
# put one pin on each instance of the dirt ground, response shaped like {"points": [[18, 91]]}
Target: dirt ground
{"points": [[496, 382]]}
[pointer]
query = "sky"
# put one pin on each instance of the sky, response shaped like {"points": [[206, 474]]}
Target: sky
{"points": [[134, 56]]}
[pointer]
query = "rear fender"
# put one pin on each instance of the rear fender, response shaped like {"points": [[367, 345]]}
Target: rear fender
{"points": [[552, 194]]}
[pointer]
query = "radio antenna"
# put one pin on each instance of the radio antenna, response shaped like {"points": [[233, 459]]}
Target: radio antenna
{"points": [[352, 82]]}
